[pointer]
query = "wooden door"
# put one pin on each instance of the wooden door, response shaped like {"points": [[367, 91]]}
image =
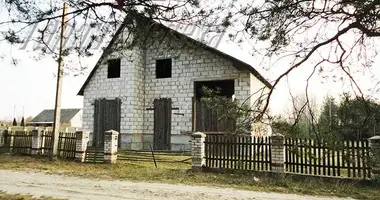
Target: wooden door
{"points": [[106, 117], [162, 123]]}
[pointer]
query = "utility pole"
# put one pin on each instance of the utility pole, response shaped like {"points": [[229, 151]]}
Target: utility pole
{"points": [[57, 108]]}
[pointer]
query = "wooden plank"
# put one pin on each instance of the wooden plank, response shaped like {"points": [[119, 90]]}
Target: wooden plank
{"points": [[235, 153], [347, 153], [262, 152], [118, 120], [266, 154], [194, 114], [287, 154], [303, 159], [223, 151], [213, 139], [324, 158], [246, 153], [353, 159], [368, 158], [359, 157], [311, 158], [169, 124], [96, 121], [328, 161], [338, 159]]}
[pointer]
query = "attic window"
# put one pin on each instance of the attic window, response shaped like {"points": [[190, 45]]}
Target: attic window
{"points": [[164, 68], [113, 68]]}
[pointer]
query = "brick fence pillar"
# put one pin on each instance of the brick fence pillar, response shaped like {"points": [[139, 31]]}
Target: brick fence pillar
{"points": [[198, 151], [36, 141], [374, 143], [110, 146], [277, 153], [82, 138]]}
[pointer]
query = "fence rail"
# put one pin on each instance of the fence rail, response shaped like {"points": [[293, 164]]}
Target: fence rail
{"points": [[238, 152], [345, 159]]}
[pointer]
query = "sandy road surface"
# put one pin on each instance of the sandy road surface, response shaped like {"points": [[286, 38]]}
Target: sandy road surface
{"points": [[78, 188]]}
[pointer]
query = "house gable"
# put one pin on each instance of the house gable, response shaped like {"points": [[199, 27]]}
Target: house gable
{"points": [[238, 64]]}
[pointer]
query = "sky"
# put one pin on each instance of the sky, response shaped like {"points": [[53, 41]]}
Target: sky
{"points": [[29, 86]]}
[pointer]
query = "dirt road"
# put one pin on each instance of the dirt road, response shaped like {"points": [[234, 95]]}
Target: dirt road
{"points": [[78, 188]]}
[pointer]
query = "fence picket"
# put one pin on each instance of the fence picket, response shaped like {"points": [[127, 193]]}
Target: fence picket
{"points": [[353, 159], [358, 156]]}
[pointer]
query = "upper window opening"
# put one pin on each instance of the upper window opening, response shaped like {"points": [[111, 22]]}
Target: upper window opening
{"points": [[164, 68], [113, 68]]}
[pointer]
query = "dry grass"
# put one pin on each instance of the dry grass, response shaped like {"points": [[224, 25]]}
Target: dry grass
{"points": [[179, 173], [5, 196]]}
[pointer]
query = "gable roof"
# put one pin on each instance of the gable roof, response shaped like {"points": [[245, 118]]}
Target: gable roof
{"points": [[238, 64], [48, 115]]}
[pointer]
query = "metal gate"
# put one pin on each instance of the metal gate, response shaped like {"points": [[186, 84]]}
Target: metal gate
{"points": [[162, 123], [106, 117]]}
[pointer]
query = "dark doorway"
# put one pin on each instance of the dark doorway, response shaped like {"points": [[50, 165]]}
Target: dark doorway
{"points": [[225, 87], [207, 119], [162, 123], [106, 117]]}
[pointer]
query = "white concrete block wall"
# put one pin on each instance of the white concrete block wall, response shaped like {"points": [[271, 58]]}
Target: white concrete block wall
{"points": [[129, 88], [188, 65], [137, 86]]}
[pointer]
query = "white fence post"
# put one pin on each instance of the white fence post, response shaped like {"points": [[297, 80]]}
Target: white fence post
{"points": [[11, 139], [82, 138], [277, 153], [198, 151], [374, 143], [110, 146], [36, 141]]}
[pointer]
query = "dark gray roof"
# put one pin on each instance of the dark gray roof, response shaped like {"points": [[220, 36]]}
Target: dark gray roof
{"points": [[48, 115]]}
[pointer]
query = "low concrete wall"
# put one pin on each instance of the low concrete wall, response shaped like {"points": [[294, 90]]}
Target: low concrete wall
{"points": [[143, 142]]}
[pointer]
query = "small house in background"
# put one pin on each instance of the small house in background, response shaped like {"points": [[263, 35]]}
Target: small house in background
{"points": [[69, 118]]}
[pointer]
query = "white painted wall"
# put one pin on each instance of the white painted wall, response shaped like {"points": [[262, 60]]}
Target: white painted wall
{"points": [[76, 121]]}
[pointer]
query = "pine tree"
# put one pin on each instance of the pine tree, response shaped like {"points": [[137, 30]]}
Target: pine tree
{"points": [[22, 122], [14, 122]]}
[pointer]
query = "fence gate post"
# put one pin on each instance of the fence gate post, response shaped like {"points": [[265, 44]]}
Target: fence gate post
{"points": [[277, 148], [36, 141], [11, 139], [374, 143], [82, 138], [198, 151], [110, 146], [2, 132]]}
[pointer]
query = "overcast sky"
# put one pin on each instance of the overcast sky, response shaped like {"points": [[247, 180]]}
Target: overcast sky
{"points": [[30, 85]]}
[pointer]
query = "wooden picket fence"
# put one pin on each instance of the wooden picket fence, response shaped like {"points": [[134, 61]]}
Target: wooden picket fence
{"points": [[20, 142], [345, 159], [66, 144], [238, 152]]}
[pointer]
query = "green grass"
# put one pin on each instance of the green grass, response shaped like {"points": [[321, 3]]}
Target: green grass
{"points": [[5, 196], [180, 173]]}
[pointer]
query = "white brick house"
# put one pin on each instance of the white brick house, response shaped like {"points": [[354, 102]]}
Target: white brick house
{"points": [[135, 78]]}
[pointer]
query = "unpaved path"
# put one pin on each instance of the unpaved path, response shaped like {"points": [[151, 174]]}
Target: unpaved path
{"points": [[79, 188]]}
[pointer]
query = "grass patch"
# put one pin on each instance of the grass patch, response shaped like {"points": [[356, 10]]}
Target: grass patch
{"points": [[5, 196], [179, 173]]}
